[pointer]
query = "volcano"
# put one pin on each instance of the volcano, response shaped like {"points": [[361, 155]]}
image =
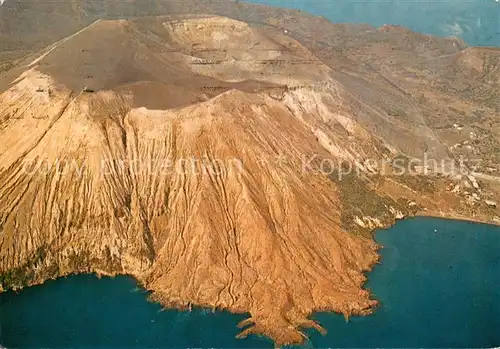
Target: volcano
{"points": [[235, 163]]}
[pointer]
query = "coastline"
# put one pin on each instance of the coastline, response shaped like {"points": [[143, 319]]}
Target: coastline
{"points": [[352, 298], [339, 333], [179, 306], [431, 214]]}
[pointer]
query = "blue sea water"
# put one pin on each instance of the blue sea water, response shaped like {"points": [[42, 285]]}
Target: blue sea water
{"points": [[438, 287], [86, 312], [438, 284], [477, 22]]}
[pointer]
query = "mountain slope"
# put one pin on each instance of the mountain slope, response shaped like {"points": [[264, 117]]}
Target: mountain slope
{"points": [[227, 164], [190, 200]]}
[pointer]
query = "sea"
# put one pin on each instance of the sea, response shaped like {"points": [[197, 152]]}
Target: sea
{"points": [[438, 285], [477, 22]]}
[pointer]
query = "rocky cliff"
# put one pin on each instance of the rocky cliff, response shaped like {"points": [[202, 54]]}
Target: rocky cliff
{"points": [[238, 165]]}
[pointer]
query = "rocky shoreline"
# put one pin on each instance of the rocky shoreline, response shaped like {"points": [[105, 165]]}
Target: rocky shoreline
{"points": [[275, 238]]}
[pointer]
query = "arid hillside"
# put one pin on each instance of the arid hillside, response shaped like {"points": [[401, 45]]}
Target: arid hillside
{"points": [[235, 164]]}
